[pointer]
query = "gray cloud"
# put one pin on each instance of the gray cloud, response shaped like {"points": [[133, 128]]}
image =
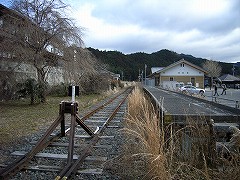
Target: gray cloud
{"points": [[170, 15], [202, 31], [203, 28]]}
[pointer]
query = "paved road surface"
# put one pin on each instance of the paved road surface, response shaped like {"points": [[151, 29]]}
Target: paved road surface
{"points": [[232, 95]]}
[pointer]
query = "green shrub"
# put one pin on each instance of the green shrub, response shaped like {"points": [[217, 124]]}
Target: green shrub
{"points": [[29, 88], [59, 90]]}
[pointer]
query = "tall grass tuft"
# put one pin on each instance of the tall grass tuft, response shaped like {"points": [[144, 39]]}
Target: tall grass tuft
{"points": [[170, 152], [144, 139]]}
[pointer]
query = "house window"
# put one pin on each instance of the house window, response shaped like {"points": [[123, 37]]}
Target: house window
{"points": [[171, 78], [182, 65]]}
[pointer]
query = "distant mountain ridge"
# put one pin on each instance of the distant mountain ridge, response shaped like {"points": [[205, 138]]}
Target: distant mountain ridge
{"points": [[131, 64]]}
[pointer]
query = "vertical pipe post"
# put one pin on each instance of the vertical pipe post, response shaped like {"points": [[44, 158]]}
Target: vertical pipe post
{"points": [[145, 82], [212, 142], [73, 93], [72, 133], [61, 113], [237, 105]]}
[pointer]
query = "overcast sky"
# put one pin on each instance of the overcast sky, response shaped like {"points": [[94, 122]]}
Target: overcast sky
{"points": [[203, 28]]}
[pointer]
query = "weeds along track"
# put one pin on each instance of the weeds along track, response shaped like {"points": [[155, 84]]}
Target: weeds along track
{"points": [[73, 146]]}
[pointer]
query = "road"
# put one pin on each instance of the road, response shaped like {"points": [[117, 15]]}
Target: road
{"points": [[232, 96]]}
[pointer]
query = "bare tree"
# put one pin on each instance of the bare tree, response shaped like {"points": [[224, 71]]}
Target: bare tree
{"points": [[214, 69], [47, 34], [85, 71], [81, 66]]}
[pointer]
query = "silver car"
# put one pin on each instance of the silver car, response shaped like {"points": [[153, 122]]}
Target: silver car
{"points": [[192, 90]]}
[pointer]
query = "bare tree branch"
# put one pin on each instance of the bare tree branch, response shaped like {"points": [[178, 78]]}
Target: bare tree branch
{"points": [[49, 33], [214, 69]]}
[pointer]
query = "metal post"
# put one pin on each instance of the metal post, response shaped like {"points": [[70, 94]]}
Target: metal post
{"points": [[237, 105], [145, 74], [61, 113], [233, 70], [72, 133], [73, 93], [212, 142], [84, 126]]}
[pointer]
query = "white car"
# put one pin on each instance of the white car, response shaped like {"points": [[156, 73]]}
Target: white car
{"points": [[192, 90]]}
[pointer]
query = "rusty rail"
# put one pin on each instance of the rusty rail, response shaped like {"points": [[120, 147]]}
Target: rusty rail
{"points": [[71, 169], [45, 140]]}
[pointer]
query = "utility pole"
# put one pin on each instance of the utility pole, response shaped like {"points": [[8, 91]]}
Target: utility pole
{"points": [[233, 69], [139, 75], [145, 75]]}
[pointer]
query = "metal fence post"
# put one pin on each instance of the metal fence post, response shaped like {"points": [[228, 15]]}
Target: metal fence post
{"points": [[212, 142], [237, 104]]}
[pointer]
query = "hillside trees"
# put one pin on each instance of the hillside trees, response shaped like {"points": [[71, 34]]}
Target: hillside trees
{"points": [[131, 64], [47, 34]]}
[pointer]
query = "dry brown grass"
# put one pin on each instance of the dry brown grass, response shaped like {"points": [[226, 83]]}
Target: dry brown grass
{"points": [[152, 152], [19, 119]]}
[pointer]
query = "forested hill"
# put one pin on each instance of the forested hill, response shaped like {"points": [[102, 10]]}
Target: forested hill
{"points": [[130, 64]]}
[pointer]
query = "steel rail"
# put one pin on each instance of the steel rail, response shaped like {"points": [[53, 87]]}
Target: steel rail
{"points": [[44, 141], [22, 162], [100, 107], [71, 169]]}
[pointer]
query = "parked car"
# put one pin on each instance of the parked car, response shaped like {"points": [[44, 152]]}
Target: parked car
{"points": [[192, 90]]}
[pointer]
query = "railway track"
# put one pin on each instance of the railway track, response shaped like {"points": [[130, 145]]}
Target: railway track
{"points": [[72, 145]]}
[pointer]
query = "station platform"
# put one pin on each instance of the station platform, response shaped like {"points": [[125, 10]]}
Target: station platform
{"points": [[178, 107]]}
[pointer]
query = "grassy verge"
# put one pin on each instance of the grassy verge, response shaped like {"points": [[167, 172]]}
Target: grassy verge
{"points": [[19, 119], [154, 152]]}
